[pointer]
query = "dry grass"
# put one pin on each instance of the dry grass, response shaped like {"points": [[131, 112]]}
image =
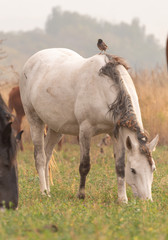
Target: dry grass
{"points": [[152, 89]]}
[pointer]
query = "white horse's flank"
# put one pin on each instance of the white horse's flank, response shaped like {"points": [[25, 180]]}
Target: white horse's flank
{"points": [[67, 92]]}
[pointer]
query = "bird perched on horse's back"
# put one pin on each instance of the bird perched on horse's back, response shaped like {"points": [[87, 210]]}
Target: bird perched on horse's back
{"points": [[101, 45]]}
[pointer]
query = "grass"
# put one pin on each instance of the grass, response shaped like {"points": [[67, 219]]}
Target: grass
{"points": [[99, 216]]}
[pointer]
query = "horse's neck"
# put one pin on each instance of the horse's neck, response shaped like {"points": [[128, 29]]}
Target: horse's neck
{"points": [[130, 88]]}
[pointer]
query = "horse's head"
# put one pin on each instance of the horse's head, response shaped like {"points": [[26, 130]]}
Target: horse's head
{"points": [[8, 168], [8, 164], [140, 166]]}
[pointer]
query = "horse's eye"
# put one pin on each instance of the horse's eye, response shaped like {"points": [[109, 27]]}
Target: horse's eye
{"points": [[133, 171]]}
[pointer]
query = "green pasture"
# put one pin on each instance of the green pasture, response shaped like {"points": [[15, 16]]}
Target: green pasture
{"points": [[99, 216]]}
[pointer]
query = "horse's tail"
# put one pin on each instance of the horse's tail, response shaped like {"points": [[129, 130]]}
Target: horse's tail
{"points": [[167, 52]]}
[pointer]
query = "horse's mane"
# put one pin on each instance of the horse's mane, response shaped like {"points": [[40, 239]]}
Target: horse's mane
{"points": [[122, 108], [167, 52], [5, 118], [119, 60]]}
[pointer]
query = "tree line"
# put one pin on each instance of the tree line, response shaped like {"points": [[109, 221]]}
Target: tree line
{"points": [[80, 33]]}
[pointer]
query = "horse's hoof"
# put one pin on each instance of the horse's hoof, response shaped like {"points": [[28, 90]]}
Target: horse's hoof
{"points": [[45, 193], [123, 201], [81, 195]]}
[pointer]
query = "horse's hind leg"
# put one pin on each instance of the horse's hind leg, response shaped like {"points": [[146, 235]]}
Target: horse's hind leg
{"points": [[51, 139], [37, 135], [85, 135]]}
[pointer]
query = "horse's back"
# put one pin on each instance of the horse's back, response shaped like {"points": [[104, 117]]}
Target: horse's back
{"points": [[51, 56], [48, 66]]}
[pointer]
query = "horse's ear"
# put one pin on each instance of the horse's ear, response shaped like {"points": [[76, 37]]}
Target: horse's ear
{"points": [[6, 134], [129, 143], [18, 136], [153, 143]]}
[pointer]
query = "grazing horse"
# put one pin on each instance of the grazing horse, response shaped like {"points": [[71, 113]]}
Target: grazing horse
{"points": [[8, 164], [167, 52], [86, 97], [15, 103]]}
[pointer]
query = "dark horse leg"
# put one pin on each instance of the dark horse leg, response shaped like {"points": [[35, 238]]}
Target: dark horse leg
{"points": [[84, 141]]}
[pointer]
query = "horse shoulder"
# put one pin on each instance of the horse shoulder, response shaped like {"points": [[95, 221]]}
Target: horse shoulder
{"points": [[95, 92]]}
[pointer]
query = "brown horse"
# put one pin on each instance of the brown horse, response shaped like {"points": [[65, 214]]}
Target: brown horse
{"points": [[15, 103], [167, 52]]}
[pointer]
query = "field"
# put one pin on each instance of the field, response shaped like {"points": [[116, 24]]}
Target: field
{"points": [[99, 216]]}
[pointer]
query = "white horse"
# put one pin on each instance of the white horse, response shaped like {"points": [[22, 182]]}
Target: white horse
{"points": [[85, 97]]}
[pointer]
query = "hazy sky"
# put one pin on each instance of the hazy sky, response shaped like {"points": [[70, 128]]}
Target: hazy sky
{"points": [[29, 14]]}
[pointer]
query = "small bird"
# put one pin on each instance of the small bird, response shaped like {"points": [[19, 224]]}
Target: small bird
{"points": [[101, 45]]}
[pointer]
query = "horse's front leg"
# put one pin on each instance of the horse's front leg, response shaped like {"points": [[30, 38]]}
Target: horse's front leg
{"points": [[85, 135], [119, 155]]}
